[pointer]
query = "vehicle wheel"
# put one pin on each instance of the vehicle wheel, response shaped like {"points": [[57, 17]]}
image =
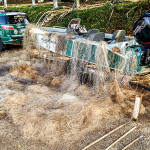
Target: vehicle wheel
{"points": [[1, 45]]}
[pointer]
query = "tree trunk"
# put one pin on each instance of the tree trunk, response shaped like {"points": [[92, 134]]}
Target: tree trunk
{"points": [[5, 3], [33, 3], [55, 4], [76, 3]]}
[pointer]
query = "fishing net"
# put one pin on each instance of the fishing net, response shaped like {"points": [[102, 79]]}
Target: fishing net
{"points": [[84, 91], [50, 120]]}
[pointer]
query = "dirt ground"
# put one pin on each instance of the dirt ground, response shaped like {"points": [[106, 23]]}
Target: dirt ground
{"points": [[19, 73]]}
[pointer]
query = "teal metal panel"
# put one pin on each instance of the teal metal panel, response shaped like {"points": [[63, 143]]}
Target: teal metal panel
{"points": [[69, 47], [93, 54], [134, 55], [87, 52], [115, 61]]}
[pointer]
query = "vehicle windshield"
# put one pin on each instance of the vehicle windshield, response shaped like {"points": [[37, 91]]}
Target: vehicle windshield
{"points": [[3, 20], [17, 19]]}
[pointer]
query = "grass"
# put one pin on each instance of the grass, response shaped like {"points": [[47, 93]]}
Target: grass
{"points": [[123, 17], [30, 11]]}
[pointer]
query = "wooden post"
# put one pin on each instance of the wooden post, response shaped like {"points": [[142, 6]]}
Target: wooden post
{"points": [[136, 109]]}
